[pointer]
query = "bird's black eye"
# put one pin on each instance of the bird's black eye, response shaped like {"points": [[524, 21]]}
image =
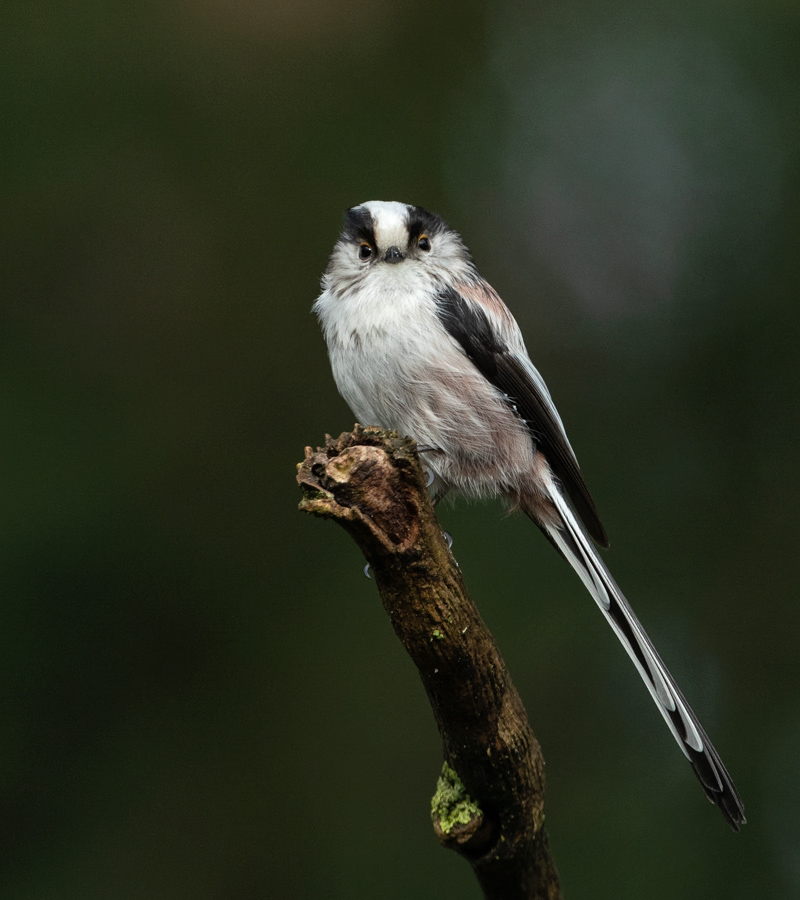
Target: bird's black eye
{"points": [[364, 250], [424, 243]]}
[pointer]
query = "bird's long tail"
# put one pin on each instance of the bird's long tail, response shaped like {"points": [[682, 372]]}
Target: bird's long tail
{"points": [[572, 541]]}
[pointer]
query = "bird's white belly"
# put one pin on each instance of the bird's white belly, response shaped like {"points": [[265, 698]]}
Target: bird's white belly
{"points": [[474, 442]]}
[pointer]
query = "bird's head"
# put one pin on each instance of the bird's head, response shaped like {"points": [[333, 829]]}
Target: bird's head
{"points": [[389, 242]]}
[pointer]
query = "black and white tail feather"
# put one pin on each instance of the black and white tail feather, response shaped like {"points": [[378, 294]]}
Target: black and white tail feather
{"points": [[571, 540], [419, 342]]}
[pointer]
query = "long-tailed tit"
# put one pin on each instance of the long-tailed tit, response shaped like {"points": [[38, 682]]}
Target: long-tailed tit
{"points": [[420, 343]]}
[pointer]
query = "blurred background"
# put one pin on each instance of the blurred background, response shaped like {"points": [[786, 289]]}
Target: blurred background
{"points": [[200, 695]]}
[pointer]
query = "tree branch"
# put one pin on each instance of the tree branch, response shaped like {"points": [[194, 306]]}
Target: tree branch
{"points": [[489, 803]]}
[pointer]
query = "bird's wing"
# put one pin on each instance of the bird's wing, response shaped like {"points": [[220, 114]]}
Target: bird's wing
{"points": [[476, 317]]}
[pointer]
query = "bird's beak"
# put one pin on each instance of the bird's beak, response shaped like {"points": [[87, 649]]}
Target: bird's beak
{"points": [[393, 255]]}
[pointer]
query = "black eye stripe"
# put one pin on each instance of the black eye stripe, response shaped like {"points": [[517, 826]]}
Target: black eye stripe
{"points": [[358, 226], [420, 222]]}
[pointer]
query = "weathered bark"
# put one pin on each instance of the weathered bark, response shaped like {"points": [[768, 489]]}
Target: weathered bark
{"points": [[489, 804]]}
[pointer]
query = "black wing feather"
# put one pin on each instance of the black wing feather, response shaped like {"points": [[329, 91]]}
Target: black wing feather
{"points": [[471, 327]]}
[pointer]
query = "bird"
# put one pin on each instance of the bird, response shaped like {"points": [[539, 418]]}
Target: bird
{"points": [[420, 343]]}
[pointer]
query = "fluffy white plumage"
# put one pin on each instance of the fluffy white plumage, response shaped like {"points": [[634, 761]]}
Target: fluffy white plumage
{"points": [[396, 366]]}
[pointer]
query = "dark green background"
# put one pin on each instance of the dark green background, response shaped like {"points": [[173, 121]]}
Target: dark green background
{"points": [[200, 694]]}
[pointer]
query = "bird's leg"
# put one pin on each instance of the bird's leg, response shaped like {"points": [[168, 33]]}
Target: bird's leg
{"points": [[441, 493], [425, 448]]}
